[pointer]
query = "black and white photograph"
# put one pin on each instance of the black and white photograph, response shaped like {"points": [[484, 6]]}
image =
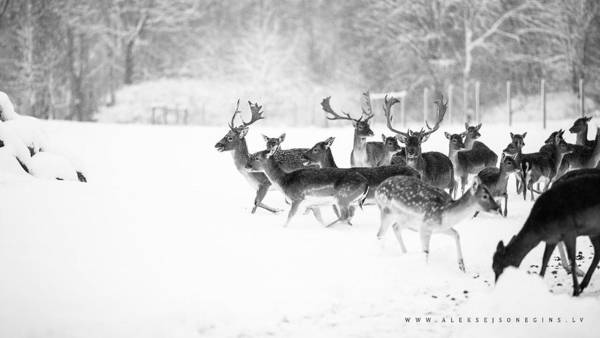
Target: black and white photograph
{"points": [[299, 168]]}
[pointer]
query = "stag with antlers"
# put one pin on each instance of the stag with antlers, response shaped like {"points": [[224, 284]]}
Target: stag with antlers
{"points": [[364, 154], [435, 168], [235, 142]]}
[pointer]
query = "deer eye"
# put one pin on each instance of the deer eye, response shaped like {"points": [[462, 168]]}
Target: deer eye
{"points": [[229, 138], [485, 197], [315, 150]]}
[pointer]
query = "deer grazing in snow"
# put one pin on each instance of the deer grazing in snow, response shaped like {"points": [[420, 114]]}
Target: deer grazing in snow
{"points": [[364, 154], [407, 202], [435, 168], [580, 128], [469, 157], [496, 179], [235, 141], [321, 154], [569, 209], [313, 187]]}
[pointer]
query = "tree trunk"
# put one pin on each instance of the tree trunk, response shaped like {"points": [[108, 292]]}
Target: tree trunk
{"points": [[128, 79]]}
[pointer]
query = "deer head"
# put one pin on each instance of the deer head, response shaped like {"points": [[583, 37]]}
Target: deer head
{"points": [[509, 165], [483, 196], [414, 139], [237, 133], [274, 142], [501, 259], [472, 132], [361, 125], [518, 140], [257, 161], [559, 142], [318, 153], [581, 124], [390, 144], [456, 140]]}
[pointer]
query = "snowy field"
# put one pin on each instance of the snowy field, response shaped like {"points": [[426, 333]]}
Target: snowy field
{"points": [[161, 243]]}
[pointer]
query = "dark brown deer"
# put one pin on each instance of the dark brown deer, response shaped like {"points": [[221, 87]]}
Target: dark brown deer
{"points": [[496, 179], [580, 128], [543, 165], [288, 159], [321, 154], [407, 202], [326, 186], [569, 209], [435, 168], [235, 141], [364, 154]]}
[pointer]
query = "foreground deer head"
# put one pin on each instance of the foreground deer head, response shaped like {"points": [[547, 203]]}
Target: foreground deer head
{"points": [[414, 139], [274, 142], [318, 153], [361, 125], [236, 134]]}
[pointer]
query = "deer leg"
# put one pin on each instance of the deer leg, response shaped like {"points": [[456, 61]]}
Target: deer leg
{"points": [[387, 219], [565, 261], [505, 204], [260, 195], [293, 210], [317, 213], [547, 253], [454, 234], [398, 233], [425, 239], [596, 243], [570, 243]]}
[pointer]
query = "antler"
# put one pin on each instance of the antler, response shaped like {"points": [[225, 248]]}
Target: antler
{"points": [[255, 109], [441, 111], [334, 116], [237, 111], [387, 110], [369, 112]]}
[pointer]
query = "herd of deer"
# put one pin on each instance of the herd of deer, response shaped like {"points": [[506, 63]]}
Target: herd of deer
{"points": [[419, 190]]}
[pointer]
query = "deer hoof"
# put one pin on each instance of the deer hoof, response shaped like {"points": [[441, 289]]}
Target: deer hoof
{"points": [[461, 265]]}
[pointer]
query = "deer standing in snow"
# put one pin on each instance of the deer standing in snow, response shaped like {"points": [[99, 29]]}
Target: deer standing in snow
{"points": [[407, 202]]}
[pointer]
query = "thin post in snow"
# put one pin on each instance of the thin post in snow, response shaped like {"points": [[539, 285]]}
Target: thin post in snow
{"points": [[581, 98], [450, 89], [543, 101], [425, 99], [477, 88], [508, 103]]}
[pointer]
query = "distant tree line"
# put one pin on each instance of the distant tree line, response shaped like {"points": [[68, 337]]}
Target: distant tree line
{"points": [[65, 58]]}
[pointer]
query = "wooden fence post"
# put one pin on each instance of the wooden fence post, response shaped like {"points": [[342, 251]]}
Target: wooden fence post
{"points": [[477, 88], [508, 103], [543, 101], [450, 89], [425, 99]]}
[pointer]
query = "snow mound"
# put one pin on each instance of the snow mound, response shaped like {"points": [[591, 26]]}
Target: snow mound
{"points": [[52, 166], [526, 298]]}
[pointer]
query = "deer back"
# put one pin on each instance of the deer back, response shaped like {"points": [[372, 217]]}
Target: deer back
{"points": [[435, 169]]}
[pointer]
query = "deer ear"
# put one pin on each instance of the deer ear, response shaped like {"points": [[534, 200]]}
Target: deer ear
{"points": [[401, 138], [282, 137], [383, 137], [512, 135], [478, 127], [524, 134], [587, 119], [476, 184], [243, 132], [447, 134], [265, 137], [500, 247], [329, 142]]}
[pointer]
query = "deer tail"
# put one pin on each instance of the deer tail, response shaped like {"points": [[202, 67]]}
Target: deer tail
{"points": [[362, 199]]}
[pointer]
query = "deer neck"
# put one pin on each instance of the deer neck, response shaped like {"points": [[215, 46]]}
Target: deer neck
{"points": [[360, 143], [582, 136], [416, 163], [274, 172], [595, 158], [460, 209], [469, 142], [452, 153], [240, 155], [518, 248], [328, 161], [557, 157]]}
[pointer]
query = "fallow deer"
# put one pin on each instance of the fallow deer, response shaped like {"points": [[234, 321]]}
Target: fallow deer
{"points": [[321, 154], [473, 158], [543, 165], [329, 186], [581, 156], [496, 179], [435, 168], [580, 128], [235, 142], [392, 149], [364, 154], [569, 209], [407, 202], [288, 159], [517, 142]]}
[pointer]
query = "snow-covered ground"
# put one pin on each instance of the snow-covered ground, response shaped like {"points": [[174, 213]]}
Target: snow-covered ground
{"points": [[161, 243]]}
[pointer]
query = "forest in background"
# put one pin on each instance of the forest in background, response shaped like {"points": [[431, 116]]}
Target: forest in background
{"points": [[67, 59]]}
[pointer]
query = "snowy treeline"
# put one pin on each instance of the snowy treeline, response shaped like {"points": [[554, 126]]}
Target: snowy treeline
{"points": [[66, 58]]}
